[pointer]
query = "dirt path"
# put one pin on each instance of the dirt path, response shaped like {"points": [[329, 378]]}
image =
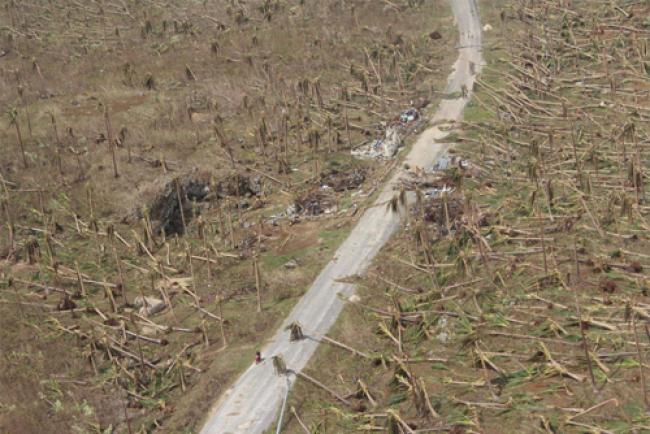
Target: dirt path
{"points": [[251, 405]]}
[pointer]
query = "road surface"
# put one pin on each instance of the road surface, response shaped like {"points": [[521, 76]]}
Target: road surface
{"points": [[252, 404]]}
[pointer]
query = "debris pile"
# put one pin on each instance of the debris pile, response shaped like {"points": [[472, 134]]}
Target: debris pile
{"points": [[341, 181], [322, 200], [315, 203], [388, 145], [239, 186], [442, 177], [409, 116], [148, 306], [447, 161], [442, 213]]}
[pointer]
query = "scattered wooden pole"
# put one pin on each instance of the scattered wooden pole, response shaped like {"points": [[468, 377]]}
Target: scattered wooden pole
{"points": [[640, 356], [80, 281], [111, 141], [324, 387], [58, 158], [13, 120], [258, 284], [300, 422]]}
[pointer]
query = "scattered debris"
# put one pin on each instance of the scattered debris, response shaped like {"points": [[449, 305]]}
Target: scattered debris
{"points": [[447, 161], [296, 332], [394, 133], [435, 212], [443, 327], [409, 115], [315, 203], [442, 177], [607, 286], [290, 265], [341, 181], [291, 211], [635, 267], [239, 186], [148, 306], [385, 147], [438, 191], [391, 143], [66, 303]]}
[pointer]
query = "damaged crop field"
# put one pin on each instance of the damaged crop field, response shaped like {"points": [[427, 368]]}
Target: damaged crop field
{"points": [[173, 176], [516, 298]]}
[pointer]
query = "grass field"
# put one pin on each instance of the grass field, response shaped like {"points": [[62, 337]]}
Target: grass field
{"points": [[152, 149], [518, 302]]}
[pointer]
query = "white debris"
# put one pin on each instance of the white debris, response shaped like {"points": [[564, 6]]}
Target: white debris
{"points": [[441, 163], [290, 265], [149, 305], [443, 326], [149, 330], [392, 142], [436, 192], [446, 161], [354, 298], [291, 211], [409, 115], [386, 147], [487, 28], [372, 150]]}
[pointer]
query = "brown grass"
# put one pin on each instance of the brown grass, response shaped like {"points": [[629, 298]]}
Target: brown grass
{"points": [[537, 319], [71, 60]]}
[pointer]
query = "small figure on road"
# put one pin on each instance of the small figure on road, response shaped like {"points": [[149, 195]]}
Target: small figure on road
{"points": [[296, 332], [279, 365], [258, 357]]}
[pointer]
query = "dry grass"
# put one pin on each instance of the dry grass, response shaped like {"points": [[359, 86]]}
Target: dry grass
{"points": [[531, 314], [238, 90]]}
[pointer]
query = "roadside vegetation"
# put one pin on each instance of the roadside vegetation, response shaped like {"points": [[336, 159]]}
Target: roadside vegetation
{"points": [[517, 301]]}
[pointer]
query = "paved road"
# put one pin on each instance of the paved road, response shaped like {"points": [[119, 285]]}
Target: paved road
{"points": [[252, 404]]}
